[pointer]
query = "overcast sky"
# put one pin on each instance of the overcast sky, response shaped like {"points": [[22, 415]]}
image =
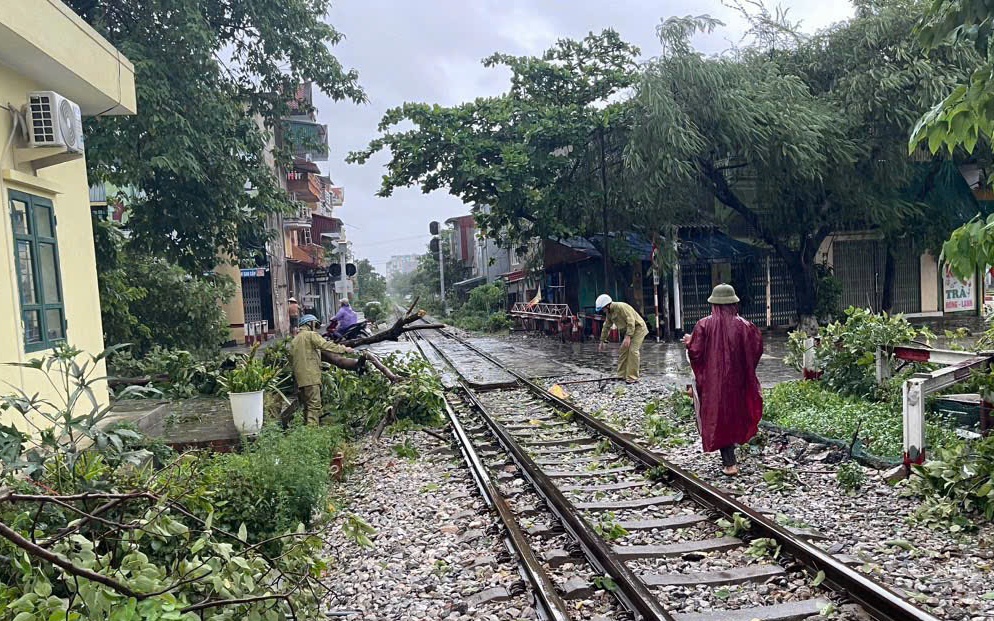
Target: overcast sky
{"points": [[430, 51]]}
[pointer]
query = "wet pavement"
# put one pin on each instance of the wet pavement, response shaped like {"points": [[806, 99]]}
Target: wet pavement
{"points": [[540, 356]]}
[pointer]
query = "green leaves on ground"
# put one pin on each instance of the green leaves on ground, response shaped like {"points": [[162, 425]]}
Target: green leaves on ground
{"points": [[781, 479], [358, 530], [735, 527], [957, 485], [850, 477]]}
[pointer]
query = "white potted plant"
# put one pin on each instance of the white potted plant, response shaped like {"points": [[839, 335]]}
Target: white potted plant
{"points": [[246, 386]]}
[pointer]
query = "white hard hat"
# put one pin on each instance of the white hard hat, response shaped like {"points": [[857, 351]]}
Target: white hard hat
{"points": [[344, 301], [602, 301]]}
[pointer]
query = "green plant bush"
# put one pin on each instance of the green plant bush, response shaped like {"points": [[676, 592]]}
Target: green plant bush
{"points": [[281, 480], [174, 373], [812, 407], [846, 352], [957, 484], [148, 301]]}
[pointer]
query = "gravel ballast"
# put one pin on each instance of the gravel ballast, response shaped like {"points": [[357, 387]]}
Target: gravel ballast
{"points": [[435, 554], [948, 575]]}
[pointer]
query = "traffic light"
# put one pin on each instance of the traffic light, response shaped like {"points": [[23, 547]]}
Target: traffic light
{"points": [[433, 227], [350, 269], [335, 269], [433, 245]]}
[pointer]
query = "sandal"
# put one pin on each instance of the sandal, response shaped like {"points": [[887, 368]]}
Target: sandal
{"points": [[730, 471]]}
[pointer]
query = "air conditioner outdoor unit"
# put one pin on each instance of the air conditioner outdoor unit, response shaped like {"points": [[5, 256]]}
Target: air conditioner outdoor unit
{"points": [[54, 121]]}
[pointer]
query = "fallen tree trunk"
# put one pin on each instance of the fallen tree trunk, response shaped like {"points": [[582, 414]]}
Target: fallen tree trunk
{"points": [[399, 327]]}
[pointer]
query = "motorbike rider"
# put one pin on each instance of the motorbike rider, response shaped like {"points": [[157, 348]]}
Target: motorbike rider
{"points": [[345, 318]]}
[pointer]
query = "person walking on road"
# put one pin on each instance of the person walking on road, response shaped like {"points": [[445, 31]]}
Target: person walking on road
{"points": [[724, 351], [305, 358], [631, 323]]}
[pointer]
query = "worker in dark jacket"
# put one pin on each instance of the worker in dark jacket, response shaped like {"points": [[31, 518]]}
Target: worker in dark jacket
{"points": [[724, 351], [628, 321]]}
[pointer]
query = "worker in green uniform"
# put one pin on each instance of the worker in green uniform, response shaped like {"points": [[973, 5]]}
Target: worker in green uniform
{"points": [[632, 325], [305, 356]]}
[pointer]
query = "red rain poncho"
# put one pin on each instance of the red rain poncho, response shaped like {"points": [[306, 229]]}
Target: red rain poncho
{"points": [[724, 351]]}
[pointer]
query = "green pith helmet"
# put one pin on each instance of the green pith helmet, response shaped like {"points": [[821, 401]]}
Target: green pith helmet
{"points": [[723, 294]]}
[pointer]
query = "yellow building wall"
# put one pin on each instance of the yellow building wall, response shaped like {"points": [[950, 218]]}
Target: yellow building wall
{"points": [[66, 185], [234, 310]]}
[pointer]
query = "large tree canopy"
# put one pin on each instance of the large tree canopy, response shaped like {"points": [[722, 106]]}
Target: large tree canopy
{"points": [[797, 136], [213, 77], [544, 158]]}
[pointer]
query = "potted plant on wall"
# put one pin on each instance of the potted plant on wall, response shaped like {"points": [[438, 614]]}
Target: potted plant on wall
{"points": [[246, 386]]}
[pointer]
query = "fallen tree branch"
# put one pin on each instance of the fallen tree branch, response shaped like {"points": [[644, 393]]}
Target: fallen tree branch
{"points": [[66, 565], [394, 332]]}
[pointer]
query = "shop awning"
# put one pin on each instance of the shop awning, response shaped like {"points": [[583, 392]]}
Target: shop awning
{"points": [[716, 247], [516, 276], [470, 282]]}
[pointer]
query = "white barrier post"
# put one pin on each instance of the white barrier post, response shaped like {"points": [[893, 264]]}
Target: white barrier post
{"points": [[914, 421]]}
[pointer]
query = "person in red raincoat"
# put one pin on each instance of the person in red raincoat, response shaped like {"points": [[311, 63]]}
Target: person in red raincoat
{"points": [[724, 350]]}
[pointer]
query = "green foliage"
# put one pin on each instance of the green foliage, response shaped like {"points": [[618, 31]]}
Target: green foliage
{"points": [[657, 473], [148, 301], [847, 350], [238, 64], [175, 373], [781, 479], [405, 450], [251, 373], [829, 290], [964, 116], [797, 135], [359, 402], [277, 482], [811, 407], [735, 527], [533, 155], [608, 527], [358, 530], [374, 312], [149, 530], [666, 419], [60, 426], [763, 547], [483, 310], [957, 484], [850, 477], [423, 283], [370, 286]]}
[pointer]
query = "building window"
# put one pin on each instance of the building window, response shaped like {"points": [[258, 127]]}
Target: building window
{"points": [[307, 236], [36, 258]]}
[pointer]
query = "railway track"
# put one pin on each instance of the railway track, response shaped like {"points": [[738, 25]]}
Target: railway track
{"points": [[643, 528]]}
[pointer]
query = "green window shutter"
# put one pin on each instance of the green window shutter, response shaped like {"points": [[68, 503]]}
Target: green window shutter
{"points": [[39, 276]]}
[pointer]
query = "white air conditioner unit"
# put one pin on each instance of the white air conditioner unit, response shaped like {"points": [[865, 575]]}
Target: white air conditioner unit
{"points": [[53, 121]]}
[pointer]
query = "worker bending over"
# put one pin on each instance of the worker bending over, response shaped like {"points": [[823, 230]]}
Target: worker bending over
{"points": [[305, 356], [627, 320]]}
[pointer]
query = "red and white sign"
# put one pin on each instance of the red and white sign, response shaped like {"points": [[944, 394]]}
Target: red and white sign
{"points": [[337, 196], [958, 295]]}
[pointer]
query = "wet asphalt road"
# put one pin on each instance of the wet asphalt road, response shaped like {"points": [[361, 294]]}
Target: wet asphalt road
{"points": [[540, 356]]}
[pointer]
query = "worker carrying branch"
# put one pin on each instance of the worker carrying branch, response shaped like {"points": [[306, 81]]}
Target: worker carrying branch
{"points": [[628, 321]]}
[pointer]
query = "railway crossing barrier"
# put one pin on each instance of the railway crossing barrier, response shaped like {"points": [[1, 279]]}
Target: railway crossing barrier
{"points": [[956, 366]]}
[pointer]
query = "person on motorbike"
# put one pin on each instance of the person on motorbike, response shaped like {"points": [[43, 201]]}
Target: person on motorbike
{"points": [[345, 318]]}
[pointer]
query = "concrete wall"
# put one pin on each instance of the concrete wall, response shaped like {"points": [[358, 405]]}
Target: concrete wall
{"points": [[45, 46]]}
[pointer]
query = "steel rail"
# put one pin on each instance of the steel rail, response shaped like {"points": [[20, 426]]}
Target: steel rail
{"points": [[880, 602], [546, 596], [630, 589]]}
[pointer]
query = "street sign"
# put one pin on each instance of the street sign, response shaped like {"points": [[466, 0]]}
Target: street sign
{"points": [[337, 196]]}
